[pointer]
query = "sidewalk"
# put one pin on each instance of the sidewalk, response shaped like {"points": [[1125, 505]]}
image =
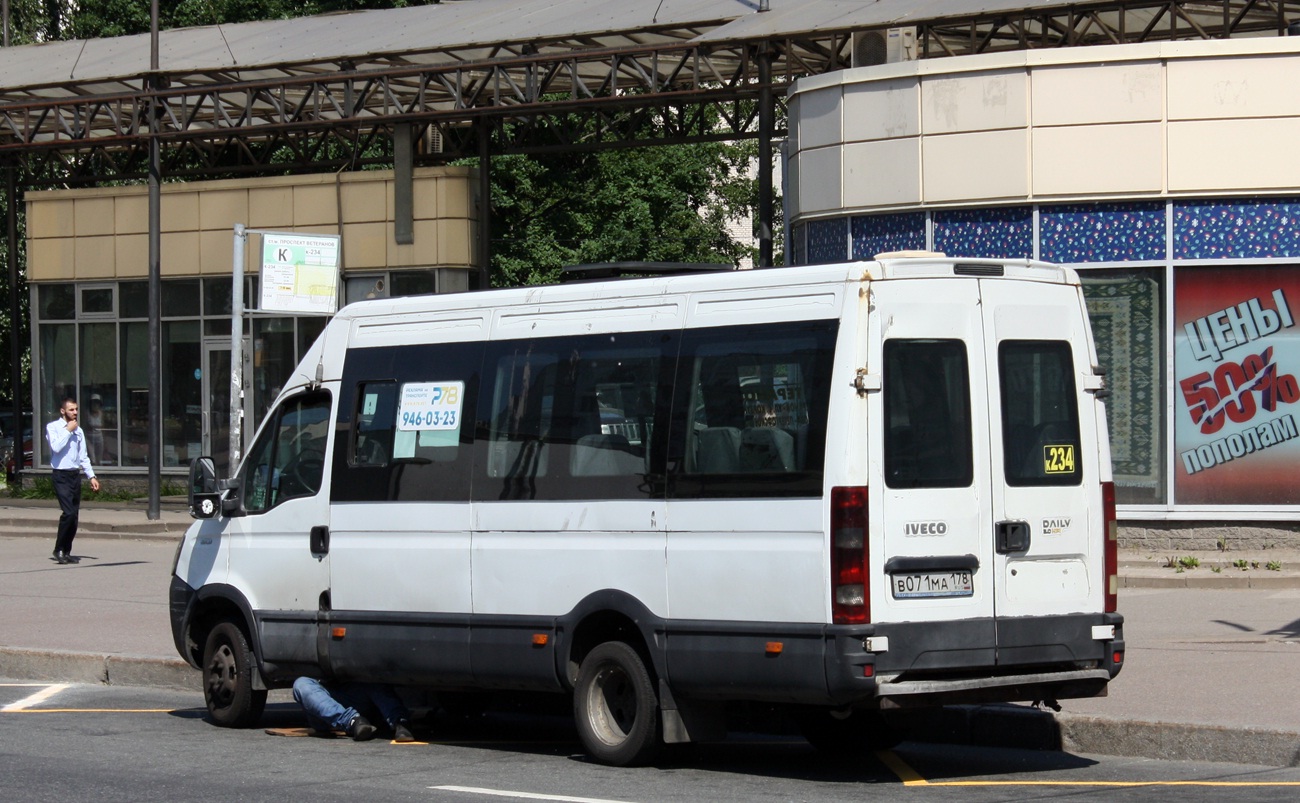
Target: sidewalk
{"points": [[1210, 672]]}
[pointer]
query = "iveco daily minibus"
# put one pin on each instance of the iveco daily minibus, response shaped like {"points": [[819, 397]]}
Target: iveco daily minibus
{"points": [[833, 491]]}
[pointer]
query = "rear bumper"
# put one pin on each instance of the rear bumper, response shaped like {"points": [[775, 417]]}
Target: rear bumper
{"points": [[976, 661], [896, 665]]}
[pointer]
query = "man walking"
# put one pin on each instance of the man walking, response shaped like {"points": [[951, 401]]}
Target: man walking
{"points": [[69, 459]]}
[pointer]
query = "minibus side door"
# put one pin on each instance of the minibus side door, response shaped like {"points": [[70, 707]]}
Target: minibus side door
{"points": [[278, 554]]}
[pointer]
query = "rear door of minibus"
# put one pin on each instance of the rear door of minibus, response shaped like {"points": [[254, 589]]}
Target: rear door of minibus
{"points": [[980, 509]]}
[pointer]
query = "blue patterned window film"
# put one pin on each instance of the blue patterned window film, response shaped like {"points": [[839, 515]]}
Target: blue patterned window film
{"points": [[828, 241], [1102, 232], [1237, 229], [1005, 232], [877, 234]]}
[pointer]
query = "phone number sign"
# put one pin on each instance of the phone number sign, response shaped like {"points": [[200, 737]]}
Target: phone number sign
{"points": [[430, 406]]}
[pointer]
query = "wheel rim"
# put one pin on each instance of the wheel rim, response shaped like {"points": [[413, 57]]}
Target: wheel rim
{"points": [[612, 705], [223, 673]]}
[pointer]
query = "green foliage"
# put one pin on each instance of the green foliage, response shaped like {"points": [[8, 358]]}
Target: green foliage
{"points": [[1273, 566], [52, 20], [43, 488], [669, 203]]}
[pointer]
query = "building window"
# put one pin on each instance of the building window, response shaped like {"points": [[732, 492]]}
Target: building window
{"points": [[878, 234], [1077, 233], [1126, 308], [1001, 233]]}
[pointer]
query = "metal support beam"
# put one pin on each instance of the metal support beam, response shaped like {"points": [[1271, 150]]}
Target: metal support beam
{"points": [[15, 311], [485, 204], [155, 281], [766, 118]]}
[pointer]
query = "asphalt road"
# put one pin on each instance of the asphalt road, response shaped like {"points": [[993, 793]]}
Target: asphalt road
{"points": [[105, 743]]}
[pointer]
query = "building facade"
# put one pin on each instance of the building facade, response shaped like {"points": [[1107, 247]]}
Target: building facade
{"points": [[1164, 174], [88, 263]]}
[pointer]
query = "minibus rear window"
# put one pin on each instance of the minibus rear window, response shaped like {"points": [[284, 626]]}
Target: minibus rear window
{"points": [[927, 414], [1040, 413]]}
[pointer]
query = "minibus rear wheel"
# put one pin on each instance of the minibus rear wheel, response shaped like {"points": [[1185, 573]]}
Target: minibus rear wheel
{"points": [[616, 707], [228, 678]]}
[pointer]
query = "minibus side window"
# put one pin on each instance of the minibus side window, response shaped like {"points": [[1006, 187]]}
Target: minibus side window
{"points": [[574, 417], [288, 459], [1040, 413], [372, 443], [927, 417], [406, 425], [750, 412]]}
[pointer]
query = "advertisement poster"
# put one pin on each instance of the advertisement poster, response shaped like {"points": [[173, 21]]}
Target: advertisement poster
{"points": [[1236, 362]]}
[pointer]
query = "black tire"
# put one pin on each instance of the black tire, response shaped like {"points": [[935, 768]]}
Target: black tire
{"points": [[228, 679], [848, 733], [616, 706]]}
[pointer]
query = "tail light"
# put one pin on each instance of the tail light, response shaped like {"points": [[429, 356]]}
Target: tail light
{"points": [[850, 580], [1110, 546]]}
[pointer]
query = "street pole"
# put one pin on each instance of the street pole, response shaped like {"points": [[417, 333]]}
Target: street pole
{"points": [[155, 277], [237, 350]]}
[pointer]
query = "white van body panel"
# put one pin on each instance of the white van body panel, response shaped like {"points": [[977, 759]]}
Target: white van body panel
{"points": [[771, 572], [416, 558], [542, 559]]}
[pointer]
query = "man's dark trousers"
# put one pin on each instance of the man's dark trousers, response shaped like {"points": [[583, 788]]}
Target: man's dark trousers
{"points": [[67, 487]]}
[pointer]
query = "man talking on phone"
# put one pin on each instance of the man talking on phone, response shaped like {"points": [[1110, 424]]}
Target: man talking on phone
{"points": [[69, 459]]}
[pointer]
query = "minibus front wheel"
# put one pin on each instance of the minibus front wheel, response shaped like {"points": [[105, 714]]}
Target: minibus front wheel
{"points": [[616, 707], [228, 678]]}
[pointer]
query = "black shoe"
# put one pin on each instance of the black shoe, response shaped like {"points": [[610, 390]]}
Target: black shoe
{"points": [[60, 557], [360, 729], [402, 732], [68, 557]]}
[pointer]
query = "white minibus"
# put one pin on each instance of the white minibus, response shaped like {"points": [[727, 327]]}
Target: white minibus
{"points": [[831, 492]]}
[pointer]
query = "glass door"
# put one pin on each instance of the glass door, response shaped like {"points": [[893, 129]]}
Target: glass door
{"points": [[216, 393]]}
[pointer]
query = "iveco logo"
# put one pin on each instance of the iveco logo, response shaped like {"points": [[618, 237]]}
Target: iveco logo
{"points": [[925, 528], [1054, 526]]}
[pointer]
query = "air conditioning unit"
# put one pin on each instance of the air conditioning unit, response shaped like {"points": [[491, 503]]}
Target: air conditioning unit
{"points": [[884, 47]]}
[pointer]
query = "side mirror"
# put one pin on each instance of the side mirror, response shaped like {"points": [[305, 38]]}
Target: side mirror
{"points": [[204, 496]]}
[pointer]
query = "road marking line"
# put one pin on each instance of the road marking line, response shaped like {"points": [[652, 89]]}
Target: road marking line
{"points": [[37, 698], [911, 777], [1115, 783], [901, 768], [92, 710], [473, 790]]}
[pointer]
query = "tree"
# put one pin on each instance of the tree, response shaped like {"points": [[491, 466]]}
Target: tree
{"points": [[667, 203]]}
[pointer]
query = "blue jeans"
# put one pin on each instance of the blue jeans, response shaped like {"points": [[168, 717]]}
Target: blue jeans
{"points": [[333, 706]]}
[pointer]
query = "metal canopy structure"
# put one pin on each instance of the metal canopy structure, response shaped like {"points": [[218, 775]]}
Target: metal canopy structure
{"points": [[316, 93]]}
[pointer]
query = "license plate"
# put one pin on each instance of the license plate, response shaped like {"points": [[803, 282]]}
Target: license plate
{"points": [[932, 584]]}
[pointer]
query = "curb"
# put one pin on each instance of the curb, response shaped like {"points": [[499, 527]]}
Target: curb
{"points": [[1027, 728], [1179, 741], [44, 528], [105, 669]]}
